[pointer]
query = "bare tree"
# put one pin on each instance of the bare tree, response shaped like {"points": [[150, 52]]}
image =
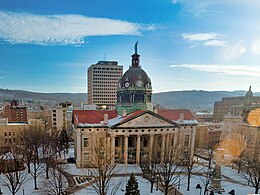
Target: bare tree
{"points": [[12, 167], [61, 141], [103, 170], [189, 169], [27, 150], [167, 168], [32, 139], [250, 167], [149, 167], [48, 152], [57, 182], [207, 177]]}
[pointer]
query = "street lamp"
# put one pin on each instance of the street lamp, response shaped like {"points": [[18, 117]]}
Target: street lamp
{"points": [[199, 187], [232, 192], [157, 182], [152, 181], [179, 183]]}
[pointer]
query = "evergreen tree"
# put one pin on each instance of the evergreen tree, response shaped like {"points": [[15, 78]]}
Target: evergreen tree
{"points": [[132, 186]]}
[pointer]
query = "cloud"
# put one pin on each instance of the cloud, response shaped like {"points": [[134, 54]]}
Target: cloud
{"points": [[200, 8], [233, 51], [235, 70], [215, 43], [256, 47], [205, 39], [200, 36], [174, 1], [19, 28], [197, 7]]}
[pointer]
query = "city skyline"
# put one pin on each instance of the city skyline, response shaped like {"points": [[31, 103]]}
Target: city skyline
{"points": [[184, 45]]}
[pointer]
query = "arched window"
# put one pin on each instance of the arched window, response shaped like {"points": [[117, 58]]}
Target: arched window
{"points": [[126, 98], [139, 97]]}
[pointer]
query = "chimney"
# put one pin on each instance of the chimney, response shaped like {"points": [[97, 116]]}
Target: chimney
{"points": [[123, 113], [105, 119], [182, 116], [155, 110]]}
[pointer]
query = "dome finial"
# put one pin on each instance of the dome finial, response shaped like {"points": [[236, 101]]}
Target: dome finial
{"points": [[136, 43], [250, 88]]}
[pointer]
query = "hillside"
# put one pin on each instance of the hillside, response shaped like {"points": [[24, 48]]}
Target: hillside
{"points": [[195, 100]]}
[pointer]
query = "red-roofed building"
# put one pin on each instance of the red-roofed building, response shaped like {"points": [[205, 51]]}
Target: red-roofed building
{"points": [[133, 133], [131, 138], [92, 117]]}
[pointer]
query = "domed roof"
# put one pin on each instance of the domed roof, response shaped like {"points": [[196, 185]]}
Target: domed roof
{"points": [[135, 77], [249, 93]]}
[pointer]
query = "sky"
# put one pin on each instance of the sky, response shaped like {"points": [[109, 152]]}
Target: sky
{"points": [[47, 46]]}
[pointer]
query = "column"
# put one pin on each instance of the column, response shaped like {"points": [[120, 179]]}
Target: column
{"points": [[112, 149], [108, 143], [138, 149], [163, 147], [126, 149], [78, 134], [168, 146], [151, 147]]}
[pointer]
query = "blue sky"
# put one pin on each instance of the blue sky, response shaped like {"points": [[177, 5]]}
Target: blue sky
{"points": [[46, 46]]}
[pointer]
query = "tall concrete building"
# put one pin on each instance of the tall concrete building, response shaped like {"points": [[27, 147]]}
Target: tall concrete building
{"points": [[103, 80]]}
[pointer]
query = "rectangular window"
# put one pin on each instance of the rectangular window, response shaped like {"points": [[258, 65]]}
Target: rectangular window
{"points": [[86, 156], [101, 142], [186, 140], [85, 142], [117, 142]]}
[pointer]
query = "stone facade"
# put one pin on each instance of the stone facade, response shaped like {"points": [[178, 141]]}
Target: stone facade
{"points": [[132, 138]]}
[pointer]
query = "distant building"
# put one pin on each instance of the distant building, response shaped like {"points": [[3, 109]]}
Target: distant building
{"points": [[15, 113], [208, 135], [204, 116], [85, 106], [10, 133], [235, 105], [103, 80], [62, 115], [240, 133]]}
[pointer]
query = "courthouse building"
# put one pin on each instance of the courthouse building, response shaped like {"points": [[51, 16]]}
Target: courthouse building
{"points": [[132, 131]]}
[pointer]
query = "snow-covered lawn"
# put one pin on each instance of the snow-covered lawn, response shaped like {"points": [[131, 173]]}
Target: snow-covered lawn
{"points": [[143, 185], [240, 189], [233, 174], [119, 169], [28, 186]]}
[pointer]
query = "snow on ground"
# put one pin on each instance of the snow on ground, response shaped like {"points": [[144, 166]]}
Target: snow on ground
{"points": [[70, 153], [232, 173], [28, 187], [143, 185], [228, 186], [119, 169]]}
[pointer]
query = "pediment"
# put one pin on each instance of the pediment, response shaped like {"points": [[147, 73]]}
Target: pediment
{"points": [[147, 120]]}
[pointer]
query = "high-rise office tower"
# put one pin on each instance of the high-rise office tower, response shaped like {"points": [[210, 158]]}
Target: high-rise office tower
{"points": [[103, 80]]}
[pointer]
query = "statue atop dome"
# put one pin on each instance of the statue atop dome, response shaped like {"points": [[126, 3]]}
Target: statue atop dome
{"points": [[136, 43]]}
